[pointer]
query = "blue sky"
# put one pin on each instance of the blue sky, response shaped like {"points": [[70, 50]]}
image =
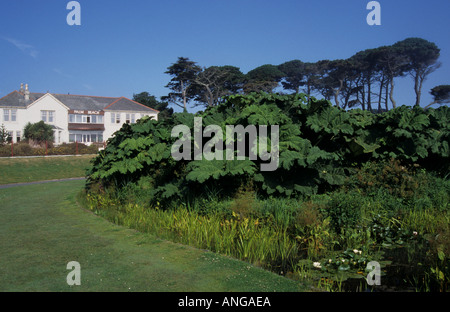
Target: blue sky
{"points": [[124, 47]]}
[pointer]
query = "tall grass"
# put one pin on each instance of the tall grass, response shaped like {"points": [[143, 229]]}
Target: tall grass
{"points": [[245, 238]]}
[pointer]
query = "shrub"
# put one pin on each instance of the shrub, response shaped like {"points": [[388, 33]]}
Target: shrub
{"points": [[244, 204], [4, 136], [344, 210], [23, 148], [39, 132]]}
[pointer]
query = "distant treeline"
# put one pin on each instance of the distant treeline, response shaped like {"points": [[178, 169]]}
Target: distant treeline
{"points": [[364, 80]]}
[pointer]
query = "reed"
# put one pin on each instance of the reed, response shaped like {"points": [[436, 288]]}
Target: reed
{"points": [[244, 238]]}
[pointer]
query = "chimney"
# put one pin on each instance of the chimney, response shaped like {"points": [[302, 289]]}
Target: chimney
{"points": [[27, 93], [21, 88]]}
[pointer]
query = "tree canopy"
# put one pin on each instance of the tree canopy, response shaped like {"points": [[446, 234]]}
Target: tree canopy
{"points": [[149, 100], [441, 95], [183, 73], [366, 79]]}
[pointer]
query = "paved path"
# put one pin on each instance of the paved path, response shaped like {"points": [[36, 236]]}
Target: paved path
{"points": [[4, 186]]}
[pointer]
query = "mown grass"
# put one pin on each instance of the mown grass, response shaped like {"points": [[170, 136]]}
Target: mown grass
{"points": [[42, 229], [18, 170]]}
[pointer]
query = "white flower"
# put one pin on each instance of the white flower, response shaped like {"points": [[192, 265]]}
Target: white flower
{"points": [[356, 251], [415, 233], [317, 265], [329, 261]]}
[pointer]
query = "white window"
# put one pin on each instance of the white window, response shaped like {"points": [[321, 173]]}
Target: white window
{"points": [[6, 115], [13, 114], [115, 117], [130, 118], [48, 116], [94, 119], [86, 137], [18, 136], [75, 137], [51, 116]]}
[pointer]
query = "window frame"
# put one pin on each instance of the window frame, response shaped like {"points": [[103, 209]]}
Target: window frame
{"points": [[6, 115], [46, 115]]}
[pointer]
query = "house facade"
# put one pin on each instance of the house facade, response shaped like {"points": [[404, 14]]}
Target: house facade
{"points": [[74, 118]]}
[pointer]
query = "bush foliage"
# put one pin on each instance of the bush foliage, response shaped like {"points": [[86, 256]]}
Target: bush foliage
{"points": [[25, 149], [318, 146]]}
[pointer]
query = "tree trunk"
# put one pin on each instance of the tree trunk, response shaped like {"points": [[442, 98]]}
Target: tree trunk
{"points": [[386, 98], [419, 94], [369, 96], [363, 97], [391, 94], [308, 91], [417, 89], [432, 103], [336, 93], [210, 96], [183, 94], [380, 95]]}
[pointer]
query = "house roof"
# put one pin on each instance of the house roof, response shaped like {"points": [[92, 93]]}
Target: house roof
{"points": [[82, 102], [17, 99], [77, 102], [124, 104]]}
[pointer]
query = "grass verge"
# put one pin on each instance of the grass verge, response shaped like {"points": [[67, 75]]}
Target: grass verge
{"points": [[17, 170]]}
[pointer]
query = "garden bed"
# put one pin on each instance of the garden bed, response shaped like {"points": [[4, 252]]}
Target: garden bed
{"points": [[25, 149]]}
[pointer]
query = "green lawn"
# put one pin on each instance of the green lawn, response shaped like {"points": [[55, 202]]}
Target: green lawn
{"points": [[42, 229], [16, 170]]}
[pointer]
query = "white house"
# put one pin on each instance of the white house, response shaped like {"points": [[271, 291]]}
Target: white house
{"points": [[81, 118]]}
